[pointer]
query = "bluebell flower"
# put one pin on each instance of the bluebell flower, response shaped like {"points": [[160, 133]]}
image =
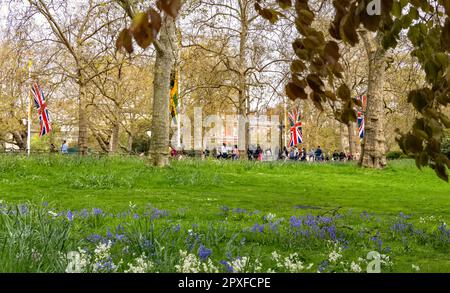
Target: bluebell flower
{"points": [[94, 238], [120, 237], [135, 216], [378, 241], [23, 209], [147, 244], [108, 233], [204, 253], [322, 266], [177, 228], [365, 215], [310, 221], [70, 216], [295, 222], [273, 227], [84, 213], [97, 211], [258, 228], [332, 232], [227, 266]]}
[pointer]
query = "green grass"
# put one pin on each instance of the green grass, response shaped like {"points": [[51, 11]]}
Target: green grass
{"points": [[203, 187], [205, 193]]}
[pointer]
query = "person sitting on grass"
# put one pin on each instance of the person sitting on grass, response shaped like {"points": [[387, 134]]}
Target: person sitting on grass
{"points": [[224, 151], [335, 155], [303, 155]]}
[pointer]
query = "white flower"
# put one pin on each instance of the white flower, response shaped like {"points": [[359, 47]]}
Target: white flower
{"points": [[355, 267], [240, 264], [141, 265], [270, 217], [334, 256], [52, 213], [416, 268], [188, 263], [292, 264], [275, 256]]}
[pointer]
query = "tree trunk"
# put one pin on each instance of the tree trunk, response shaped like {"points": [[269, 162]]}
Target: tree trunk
{"points": [[114, 144], [82, 119], [374, 149], [130, 143], [342, 137], [351, 139], [242, 78], [159, 144], [20, 138]]}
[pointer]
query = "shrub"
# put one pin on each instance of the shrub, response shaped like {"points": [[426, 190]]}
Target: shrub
{"points": [[396, 155]]}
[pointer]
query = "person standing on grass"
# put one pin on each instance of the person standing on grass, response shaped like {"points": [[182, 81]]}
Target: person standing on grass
{"points": [[319, 154], [64, 148], [259, 153], [235, 153]]}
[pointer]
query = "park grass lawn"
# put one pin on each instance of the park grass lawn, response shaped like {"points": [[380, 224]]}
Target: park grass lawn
{"points": [[208, 192]]}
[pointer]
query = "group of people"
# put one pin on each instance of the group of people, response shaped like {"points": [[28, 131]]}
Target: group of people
{"points": [[225, 152], [314, 155]]}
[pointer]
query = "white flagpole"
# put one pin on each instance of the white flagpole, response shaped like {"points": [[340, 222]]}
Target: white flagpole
{"points": [[29, 112]]}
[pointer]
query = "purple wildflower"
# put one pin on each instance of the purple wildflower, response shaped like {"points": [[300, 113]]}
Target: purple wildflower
{"points": [[227, 266], [258, 228], [295, 222], [204, 253], [70, 216], [97, 211]]}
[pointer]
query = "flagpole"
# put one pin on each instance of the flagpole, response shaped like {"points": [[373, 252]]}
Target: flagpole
{"points": [[29, 112]]}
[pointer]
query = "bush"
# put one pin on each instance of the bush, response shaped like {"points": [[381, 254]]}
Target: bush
{"points": [[396, 155]]}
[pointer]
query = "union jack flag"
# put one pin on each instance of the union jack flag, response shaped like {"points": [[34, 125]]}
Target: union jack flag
{"points": [[361, 125], [295, 120], [361, 118], [40, 104]]}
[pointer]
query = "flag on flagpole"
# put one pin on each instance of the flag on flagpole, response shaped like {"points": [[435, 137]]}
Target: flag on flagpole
{"points": [[41, 105], [174, 96], [361, 118], [295, 121]]}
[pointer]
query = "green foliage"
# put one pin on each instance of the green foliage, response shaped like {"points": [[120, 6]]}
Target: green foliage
{"points": [[429, 32], [446, 144], [141, 144], [395, 155]]}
